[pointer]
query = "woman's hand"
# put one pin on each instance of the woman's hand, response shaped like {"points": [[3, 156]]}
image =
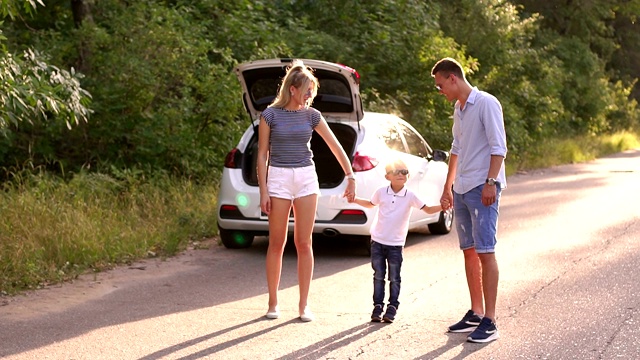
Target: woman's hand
{"points": [[265, 203]]}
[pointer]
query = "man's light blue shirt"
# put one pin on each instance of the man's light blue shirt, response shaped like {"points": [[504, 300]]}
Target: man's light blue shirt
{"points": [[478, 133]]}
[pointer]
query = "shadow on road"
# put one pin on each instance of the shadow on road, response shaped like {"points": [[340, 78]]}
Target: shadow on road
{"points": [[335, 342], [315, 351], [219, 347], [453, 341]]}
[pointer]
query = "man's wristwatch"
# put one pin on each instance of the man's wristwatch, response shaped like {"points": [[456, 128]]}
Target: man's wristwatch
{"points": [[490, 181]]}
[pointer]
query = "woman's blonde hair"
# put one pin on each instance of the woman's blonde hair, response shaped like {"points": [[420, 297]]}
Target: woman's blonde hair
{"points": [[301, 77]]}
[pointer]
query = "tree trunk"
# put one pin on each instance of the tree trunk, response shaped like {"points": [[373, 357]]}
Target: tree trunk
{"points": [[82, 15], [81, 12]]}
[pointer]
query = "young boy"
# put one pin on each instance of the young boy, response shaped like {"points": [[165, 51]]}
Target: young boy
{"points": [[389, 234]]}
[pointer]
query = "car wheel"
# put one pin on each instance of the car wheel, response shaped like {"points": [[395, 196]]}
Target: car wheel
{"points": [[236, 239], [444, 224]]}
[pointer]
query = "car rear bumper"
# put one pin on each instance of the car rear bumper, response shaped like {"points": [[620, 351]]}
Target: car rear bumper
{"points": [[341, 226]]}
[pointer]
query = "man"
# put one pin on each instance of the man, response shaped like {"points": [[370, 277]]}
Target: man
{"points": [[474, 182]]}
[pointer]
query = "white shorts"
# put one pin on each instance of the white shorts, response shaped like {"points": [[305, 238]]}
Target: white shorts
{"points": [[292, 183]]}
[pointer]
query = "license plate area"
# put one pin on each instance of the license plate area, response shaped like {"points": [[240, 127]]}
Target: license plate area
{"points": [[264, 216]]}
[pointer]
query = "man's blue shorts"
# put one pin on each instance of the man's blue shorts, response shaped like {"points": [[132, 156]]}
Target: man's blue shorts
{"points": [[477, 225]]}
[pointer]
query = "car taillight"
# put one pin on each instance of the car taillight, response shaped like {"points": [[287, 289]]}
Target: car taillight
{"points": [[230, 212], [351, 216], [363, 162], [352, 212], [230, 161]]}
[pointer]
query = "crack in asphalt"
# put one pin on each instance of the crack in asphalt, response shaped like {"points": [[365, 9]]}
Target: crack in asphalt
{"points": [[615, 334]]}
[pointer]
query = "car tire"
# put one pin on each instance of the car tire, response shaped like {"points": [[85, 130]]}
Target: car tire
{"points": [[236, 239], [444, 224]]}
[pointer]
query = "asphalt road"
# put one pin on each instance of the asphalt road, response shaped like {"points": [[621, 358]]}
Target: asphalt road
{"points": [[568, 251]]}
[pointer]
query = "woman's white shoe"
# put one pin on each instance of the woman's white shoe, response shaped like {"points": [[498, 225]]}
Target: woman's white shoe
{"points": [[307, 315], [273, 314]]}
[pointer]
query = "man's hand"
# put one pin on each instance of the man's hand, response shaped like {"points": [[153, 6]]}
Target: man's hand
{"points": [[446, 200], [489, 194]]}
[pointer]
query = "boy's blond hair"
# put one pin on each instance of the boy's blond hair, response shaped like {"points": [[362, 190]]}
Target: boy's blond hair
{"points": [[394, 164]]}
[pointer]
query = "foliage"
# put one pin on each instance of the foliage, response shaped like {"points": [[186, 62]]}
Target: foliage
{"points": [[13, 7], [608, 27], [549, 85], [31, 90], [162, 93], [162, 99]]}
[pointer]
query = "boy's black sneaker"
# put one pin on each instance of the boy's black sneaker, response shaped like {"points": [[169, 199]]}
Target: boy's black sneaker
{"points": [[468, 323], [376, 315], [390, 314], [485, 332]]}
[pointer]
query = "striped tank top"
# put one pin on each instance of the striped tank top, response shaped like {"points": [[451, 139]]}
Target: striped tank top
{"points": [[290, 142]]}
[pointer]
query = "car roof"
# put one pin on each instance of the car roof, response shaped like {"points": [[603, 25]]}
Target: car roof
{"points": [[338, 92]]}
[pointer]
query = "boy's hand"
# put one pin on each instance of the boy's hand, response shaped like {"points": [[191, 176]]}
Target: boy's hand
{"points": [[350, 191]]}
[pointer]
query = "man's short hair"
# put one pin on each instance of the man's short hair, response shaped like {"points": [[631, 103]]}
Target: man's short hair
{"points": [[448, 66]]}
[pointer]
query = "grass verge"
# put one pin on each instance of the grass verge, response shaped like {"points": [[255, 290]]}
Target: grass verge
{"points": [[552, 152], [52, 230]]}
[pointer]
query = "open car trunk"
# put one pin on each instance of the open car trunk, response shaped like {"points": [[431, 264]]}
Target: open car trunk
{"points": [[338, 87], [330, 173]]}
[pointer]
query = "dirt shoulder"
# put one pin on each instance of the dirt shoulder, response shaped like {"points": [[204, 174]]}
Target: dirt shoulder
{"points": [[86, 287]]}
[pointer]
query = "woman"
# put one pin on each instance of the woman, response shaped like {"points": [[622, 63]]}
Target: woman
{"points": [[287, 177]]}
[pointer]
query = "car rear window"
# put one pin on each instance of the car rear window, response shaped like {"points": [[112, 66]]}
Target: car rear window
{"points": [[334, 93]]}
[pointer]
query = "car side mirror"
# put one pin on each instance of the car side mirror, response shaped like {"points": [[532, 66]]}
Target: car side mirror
{"points": [[440, 155]]}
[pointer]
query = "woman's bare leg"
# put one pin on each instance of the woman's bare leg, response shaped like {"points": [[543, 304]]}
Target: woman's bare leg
{"points": [[278, 222], [304, 209]]}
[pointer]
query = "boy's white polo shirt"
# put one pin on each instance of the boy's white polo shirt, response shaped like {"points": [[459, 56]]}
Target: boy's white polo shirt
{"points": [[391, 224]]}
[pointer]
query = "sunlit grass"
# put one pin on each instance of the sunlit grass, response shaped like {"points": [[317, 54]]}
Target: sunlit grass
{"points": [[552, 152], [52, 230]]}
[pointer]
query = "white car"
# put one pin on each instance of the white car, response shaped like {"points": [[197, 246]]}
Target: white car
{"points": [[369, 139]]}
